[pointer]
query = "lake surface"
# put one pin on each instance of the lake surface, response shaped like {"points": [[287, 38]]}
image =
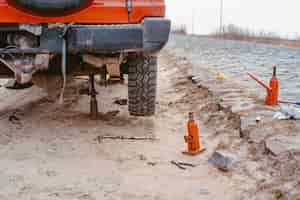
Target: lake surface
{"points": [[233, 58]]}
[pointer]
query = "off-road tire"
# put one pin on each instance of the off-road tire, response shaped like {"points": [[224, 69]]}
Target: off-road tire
{"points": [[142, 82]]}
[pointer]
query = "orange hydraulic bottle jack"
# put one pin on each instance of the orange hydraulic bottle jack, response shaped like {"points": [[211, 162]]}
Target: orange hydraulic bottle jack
{"points": [[272, 88], [192, 139]]}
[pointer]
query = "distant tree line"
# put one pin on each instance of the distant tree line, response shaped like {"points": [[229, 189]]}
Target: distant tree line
{"points": [[236, 32], [180, 29], [233, 32]]}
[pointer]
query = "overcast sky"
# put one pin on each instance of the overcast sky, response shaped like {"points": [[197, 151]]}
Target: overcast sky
{"points": [[281, 16]]}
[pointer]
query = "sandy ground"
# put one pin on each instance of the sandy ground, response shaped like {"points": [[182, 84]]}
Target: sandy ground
{"points": [[48, 151]]}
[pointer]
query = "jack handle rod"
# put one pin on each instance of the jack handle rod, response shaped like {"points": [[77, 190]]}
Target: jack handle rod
{"points": [[263, 84]]}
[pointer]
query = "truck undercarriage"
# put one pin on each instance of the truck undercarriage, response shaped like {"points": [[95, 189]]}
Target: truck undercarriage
{"points": [[26, 49]]}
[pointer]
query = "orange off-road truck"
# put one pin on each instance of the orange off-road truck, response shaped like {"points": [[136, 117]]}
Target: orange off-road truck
{"points": [[41, 36]]}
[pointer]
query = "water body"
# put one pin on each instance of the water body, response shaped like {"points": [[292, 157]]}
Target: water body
{"points": [[233, 58]]}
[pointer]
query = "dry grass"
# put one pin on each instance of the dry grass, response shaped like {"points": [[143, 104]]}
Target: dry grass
{"points": [[262, 40], [233, 32]]}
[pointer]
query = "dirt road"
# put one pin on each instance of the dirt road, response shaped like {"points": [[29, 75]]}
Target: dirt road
{"points": [[48, 151]]}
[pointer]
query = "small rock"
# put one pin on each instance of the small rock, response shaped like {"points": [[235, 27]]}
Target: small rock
{"points": [[220, 161], [51, 150], [196, 79], [85, 197], [151, 163], [51, 173], [142, 157], [258, 119], [55, 194], [280, 144], [278, 194], [13, 118], [121, 102], [170, 103]]}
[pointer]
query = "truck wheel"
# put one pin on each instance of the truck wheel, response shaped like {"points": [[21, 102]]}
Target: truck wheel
{"points": [[142, 82]]}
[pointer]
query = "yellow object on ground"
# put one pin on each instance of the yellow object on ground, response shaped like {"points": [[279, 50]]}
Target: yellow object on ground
{"points": [[220, 76]]}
